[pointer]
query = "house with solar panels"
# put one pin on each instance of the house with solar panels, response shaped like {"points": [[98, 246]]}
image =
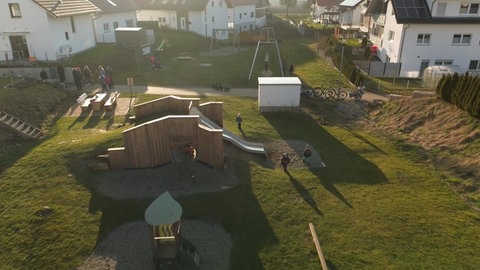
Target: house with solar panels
{"points": [[422, 33], [45, 29]]}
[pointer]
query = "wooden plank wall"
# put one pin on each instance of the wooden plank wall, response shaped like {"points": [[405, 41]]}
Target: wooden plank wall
{"points": [[210, 147], [117, 158], [151, 144], [213, 110], [164, 104]]}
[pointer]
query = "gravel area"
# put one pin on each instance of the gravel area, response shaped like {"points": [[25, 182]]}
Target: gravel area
{"points": [[130, 246]]}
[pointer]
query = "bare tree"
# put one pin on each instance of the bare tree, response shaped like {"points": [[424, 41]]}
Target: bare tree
{"points": [[288, 4]]}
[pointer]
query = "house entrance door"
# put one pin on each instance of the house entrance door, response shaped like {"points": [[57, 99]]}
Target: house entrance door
{"points": [[19, 47], [423, 66]]}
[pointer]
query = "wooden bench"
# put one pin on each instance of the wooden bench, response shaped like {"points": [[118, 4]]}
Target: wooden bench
{"points": [[111, 101], [81, 99], [86, 104]]}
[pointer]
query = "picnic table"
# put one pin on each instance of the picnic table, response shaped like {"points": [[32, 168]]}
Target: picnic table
{"points": [[98, 100]]}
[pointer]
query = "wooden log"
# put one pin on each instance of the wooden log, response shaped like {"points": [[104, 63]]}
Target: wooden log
{"points": [[317, 246]]}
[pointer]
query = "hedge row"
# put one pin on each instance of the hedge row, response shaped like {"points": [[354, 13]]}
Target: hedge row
{"points": [[461, 90]]}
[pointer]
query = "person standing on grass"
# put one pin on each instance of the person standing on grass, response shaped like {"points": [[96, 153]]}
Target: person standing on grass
{"points": [[307, 153], [239, 121], [285, 161]]}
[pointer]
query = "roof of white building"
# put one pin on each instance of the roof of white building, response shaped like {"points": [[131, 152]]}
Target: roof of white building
{"points": [[66, 8], [350, 3], [115, 6]]}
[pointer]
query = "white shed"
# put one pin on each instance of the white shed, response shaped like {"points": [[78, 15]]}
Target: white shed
{"points": [[278, 93]]}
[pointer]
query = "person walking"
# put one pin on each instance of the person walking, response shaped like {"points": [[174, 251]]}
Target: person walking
{"points": [[101, 77], [285, 161], [291, 69], [307, 153], [239, 121], [87, 75]]}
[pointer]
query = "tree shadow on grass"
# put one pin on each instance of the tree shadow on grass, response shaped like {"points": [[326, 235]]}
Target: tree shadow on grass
{"points": [[236, 209], [343, 165], [305, 194]]}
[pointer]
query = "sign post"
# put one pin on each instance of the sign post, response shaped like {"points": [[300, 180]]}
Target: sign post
{"points": [[130, 84]]}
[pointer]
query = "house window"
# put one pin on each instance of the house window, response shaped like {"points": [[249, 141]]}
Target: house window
{"points": [[129, 23], [251, 14], [468, 8], [441, 8], [72, 23], [442, 62], [423, 39], [115, 25], [15, 10], [220, 3], [213, 4], [461, 39], [66, 36], [474, 65], [240, 16], [391, 35], [213, 18], [106, 27]]}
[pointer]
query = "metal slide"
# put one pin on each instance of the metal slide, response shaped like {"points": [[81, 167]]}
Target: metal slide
{"points": [[251, 147]]}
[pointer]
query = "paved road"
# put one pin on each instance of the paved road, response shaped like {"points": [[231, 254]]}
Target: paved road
{"points": [[204, 91], [194, 91]]}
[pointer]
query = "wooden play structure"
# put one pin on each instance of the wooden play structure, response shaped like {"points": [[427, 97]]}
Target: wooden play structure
{"points": [[163, 216], [153, 143]]}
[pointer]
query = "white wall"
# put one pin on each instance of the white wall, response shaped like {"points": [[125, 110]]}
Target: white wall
{"points": [[440, 47], [44, 33], [244, 22], [154, 15], [108, 36], [277, 93], [219, 12]]}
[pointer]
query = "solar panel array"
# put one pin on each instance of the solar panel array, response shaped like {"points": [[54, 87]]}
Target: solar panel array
{"points": [[411, 9]]}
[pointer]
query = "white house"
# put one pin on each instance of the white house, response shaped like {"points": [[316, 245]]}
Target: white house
{"points": [[45, 30], [326, 11], [114, 14], [352, 16], [241, 15], [422, 33], [199, 16]]}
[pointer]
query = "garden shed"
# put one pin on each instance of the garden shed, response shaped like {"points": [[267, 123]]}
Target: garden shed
{"points": [[278, 93], [130, 37], [433, 74]]}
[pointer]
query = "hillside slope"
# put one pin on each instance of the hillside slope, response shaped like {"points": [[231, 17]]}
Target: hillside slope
{"points": [[446, 136]]}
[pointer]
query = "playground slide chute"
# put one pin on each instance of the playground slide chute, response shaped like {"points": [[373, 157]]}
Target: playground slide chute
{"points": [[251, 147]]}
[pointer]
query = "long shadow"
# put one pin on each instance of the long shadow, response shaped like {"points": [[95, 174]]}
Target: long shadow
{"points": [[305, 194], [343, 165], [237, 210]]}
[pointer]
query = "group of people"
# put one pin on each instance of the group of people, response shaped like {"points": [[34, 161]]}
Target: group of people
{"points": [[307, 154], [81, 76], [285, 160]]}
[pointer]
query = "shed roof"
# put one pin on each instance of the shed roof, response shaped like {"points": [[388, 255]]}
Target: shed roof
{"points": [[278, 80]]}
